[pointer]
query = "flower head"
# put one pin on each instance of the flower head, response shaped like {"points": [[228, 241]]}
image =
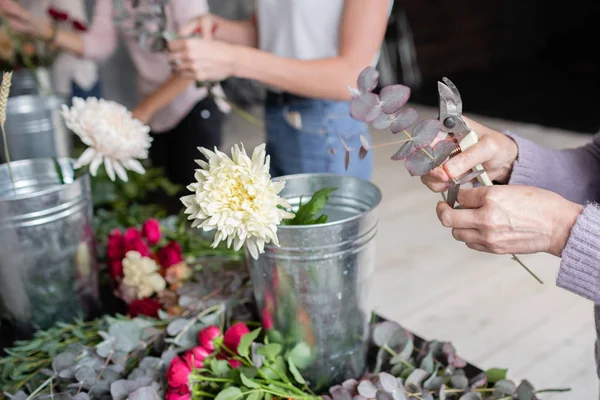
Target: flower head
{"points": [[207, 337], [151, 231], [141, 274], [178, 373], [178, 273], [114, 137], [170, 254], [233, 336], [195, 357], [148, 307], [237, 198]]}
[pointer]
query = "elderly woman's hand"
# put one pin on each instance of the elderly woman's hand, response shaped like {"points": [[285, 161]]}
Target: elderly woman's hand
{"points": [[511, 219], [496, 151]]}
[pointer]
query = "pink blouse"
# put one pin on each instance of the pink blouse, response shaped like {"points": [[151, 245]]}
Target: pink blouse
{"points": [[153, 68]]}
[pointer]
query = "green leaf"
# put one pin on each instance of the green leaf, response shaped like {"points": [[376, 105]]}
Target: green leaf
{"points": [[270, 351], [525, 391], [268, 396], [295, 373], [230, 393], [246, 342], [219, 367], [307, 213], [301, 355], [255, 395], [495, 374], [248, 382]]}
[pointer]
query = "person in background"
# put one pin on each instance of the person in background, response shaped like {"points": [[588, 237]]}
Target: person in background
{"points": [[73, 76], [181, 115], [547, 201], [307, 52]]}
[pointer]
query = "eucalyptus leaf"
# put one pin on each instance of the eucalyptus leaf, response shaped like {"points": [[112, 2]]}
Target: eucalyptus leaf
{"points": [[425, 132], [424, 160], [365, 107], [388, 382], [145, 393], [427, 363], [368, 79], [384, 332], [525, 391], [470, 396], [176, 326], [415, 379], [367, 389], [459, 382], [504, 388], [393, 97]]}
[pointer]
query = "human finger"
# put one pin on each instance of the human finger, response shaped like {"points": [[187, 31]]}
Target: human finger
{"points": [[456, 218]]}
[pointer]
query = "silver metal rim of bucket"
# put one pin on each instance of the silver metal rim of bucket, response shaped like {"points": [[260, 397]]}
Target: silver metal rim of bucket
{"points": [[28, 103], [68, 180], [370, 184]]}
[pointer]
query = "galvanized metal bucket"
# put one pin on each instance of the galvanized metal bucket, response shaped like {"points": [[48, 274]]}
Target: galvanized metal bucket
{"points": [[48, 269], [25, 82], [35, 128], [313, 290]]}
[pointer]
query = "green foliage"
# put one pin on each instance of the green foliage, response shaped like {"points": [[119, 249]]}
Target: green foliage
{"points": [[308, 214]]}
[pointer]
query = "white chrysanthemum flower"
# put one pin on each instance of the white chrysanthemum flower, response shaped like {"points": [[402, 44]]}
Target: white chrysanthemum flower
{"points": [[140, 274], [112, 135], [237, 198]]}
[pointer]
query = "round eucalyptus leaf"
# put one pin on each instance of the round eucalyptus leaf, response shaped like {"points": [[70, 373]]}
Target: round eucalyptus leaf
{"points": [[367, 389], [368, 79], [388, 382], [393, 98], [365, 107]]}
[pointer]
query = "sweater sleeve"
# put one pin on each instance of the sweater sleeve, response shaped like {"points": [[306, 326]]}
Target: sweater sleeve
{"points": [[100, 41], [572, 173], [575, 175]]}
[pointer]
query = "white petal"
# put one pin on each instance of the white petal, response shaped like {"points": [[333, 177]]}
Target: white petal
{"points": [[135, 165], [108, 166], [95, 164], [120, 171], [85, 158]]}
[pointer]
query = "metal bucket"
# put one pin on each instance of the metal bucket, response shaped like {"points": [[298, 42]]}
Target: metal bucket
{"points": [[313, 290], [35, 128], [25, 82], [48, 269]]}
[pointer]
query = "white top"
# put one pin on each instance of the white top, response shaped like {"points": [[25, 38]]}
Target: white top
{"points": [[302, 29]]}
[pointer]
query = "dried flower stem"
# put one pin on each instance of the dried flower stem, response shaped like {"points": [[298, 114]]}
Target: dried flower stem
{"points": [[4, 93]]}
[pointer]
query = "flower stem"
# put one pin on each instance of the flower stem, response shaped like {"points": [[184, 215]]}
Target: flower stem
{"points": [[515, 258]]}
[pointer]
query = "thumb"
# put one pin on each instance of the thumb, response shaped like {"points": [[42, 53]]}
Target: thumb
{"points": [[471, 198], [480, 153]]}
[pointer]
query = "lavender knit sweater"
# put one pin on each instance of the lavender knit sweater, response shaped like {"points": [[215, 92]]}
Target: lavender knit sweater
{"points": [[575, 175]]}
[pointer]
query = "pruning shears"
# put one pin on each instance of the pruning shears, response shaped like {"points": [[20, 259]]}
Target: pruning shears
{"points": [[450, 115]]}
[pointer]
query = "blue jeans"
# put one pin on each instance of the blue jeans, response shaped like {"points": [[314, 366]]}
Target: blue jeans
{"points": [[77, 91], [313, 145]]}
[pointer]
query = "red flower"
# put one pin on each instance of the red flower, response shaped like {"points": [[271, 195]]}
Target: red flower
{"points": [[267, 319], [180, 393], [115, 248], [170, 255], [79, 26], [234, 334], [178, 373], [195, 357], [115, 269], [134, 242], [58, 15], [151, 231], [147, 306], [207, 337], [235, 364]]}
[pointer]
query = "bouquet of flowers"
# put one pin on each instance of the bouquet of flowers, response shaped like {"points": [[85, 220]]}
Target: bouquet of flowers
{"points": [[146, 269]]}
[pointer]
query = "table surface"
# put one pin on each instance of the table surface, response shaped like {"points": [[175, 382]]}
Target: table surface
{"points": [[494, 313]]}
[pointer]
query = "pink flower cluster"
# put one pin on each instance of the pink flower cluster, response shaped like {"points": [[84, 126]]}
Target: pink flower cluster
{"points": [[147, 242], [210, 344]]}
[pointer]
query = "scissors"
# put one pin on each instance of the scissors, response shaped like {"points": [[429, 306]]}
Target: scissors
{"points": [[450, 115]]}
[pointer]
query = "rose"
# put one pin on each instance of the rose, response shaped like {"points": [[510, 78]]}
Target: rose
{"points": [[235, 364], [267, 319], [115, 248], [151, 231], [170, 255], [177, 273], [79, 26], [178, 373], [147, 306], [58, 15], [134, 242], [195, 357], [207, 337], [234, 334], [180, 393], [115, 269]]}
